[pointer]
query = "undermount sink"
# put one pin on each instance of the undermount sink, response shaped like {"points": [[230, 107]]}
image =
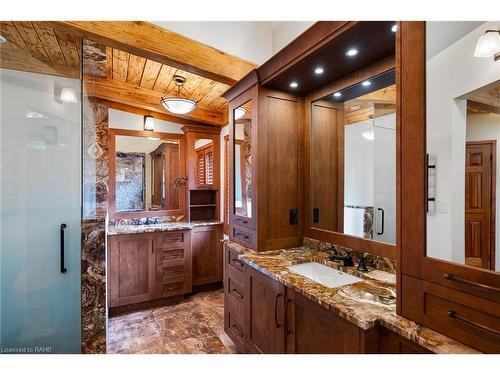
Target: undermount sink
{"points": [[324, 275]]}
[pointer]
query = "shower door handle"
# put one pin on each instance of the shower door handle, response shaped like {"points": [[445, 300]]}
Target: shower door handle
{"points": [[383, 219], [61, 235]]}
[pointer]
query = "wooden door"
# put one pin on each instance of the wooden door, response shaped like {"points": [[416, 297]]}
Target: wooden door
{"points": [[207, 254], [311, 329], [131, 265], [480, 203], [264, 313]]}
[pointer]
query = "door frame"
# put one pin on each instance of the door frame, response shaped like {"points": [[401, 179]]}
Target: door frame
{"points": [[493, 186]]}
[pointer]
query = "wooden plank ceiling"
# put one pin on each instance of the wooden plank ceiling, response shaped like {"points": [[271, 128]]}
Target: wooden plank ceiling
{"points": [[38, 47], [485, 102], [363, 107], [115, 75], [134, 80]]}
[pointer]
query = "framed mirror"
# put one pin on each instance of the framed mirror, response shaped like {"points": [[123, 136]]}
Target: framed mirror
{"points": [[462, 140], [145, 170], [351, 163]]}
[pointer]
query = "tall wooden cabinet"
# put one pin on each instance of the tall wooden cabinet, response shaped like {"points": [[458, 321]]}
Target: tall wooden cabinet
{"points": [[265, 161]]}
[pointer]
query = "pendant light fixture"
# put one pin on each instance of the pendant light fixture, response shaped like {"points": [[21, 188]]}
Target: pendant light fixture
{"points": [[177, 104], [488, 44]]}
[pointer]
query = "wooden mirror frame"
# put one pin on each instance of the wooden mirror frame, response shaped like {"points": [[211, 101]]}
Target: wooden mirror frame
{"points": [[353, 242], [112, 133]]}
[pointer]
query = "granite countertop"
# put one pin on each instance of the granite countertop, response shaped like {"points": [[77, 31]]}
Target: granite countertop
{"points": [[365, 303], [150, 228]]}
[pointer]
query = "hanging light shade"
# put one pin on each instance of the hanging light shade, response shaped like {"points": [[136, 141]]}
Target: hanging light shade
{"points": [[488, 44], [239, 113], [177, 104]]}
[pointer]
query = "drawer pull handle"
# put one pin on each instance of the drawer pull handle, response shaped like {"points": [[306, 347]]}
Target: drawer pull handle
{"points": [[238, 293], [241, 235], [276, 310], [242, 221], [172, 239], [237, 330], [238, 262], [454, 315], [451, 277]]}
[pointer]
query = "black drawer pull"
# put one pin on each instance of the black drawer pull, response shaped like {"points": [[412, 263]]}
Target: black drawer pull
{"points": [[242, 221], [276, 310], [383, 219], [236, 330], [451, 277], [454, 315], [173, 239], [238, 262], [242, 235], [237, 293], [287, 331]]}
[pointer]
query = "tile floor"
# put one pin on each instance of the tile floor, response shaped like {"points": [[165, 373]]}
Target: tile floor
{"points": [[193, 326]]}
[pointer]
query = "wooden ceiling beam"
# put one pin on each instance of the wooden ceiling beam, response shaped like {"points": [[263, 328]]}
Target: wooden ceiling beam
{"points": [[156, 43], [478, 107], [141, 97]]}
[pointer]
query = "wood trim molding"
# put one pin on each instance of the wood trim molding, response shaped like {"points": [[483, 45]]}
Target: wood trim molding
{"points": [[164, 46], [309, 41], [201, 129], [113, 215]]}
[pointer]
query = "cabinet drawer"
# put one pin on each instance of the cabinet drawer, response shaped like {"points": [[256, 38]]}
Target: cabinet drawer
{"points": [[234, 322], [234, 285], [234, 262], [243, 236], [447, 311], [169, 272], [172, 255], [243, 222], [170, 239], [171, 288]]}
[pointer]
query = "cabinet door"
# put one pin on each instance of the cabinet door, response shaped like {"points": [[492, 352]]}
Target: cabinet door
{"points": [[264, 313], [207, 254], [131, 261], [391, 343], [311, 329]]}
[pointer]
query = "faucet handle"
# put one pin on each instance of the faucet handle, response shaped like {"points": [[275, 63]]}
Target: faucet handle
{"points": [[361, 265]]}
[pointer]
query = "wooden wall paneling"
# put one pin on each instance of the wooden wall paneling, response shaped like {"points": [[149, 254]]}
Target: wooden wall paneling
{"points": [[278, 163]]}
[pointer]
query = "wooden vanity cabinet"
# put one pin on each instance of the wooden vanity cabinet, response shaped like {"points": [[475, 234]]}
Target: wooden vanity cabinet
{"points": [[207, 254], [264, 313], [269, 159], [147, 266], [392, 343], [261, 315], [131, 269], [312, 329]]}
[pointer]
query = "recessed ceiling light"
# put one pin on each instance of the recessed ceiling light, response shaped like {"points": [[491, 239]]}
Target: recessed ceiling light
{"points": [[351, 52], [294, 84], [337, 94], [366, 83], [394, 28], [319, 70], [2, 38]]}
